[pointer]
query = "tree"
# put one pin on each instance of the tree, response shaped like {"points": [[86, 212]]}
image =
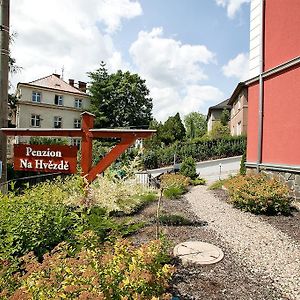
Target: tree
{"points": [[195, 124], [119, 99], [225, 117], [219, 130], [173, 130]]}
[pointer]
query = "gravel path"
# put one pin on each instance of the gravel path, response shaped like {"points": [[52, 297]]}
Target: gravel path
{"points": [[264, 249]]}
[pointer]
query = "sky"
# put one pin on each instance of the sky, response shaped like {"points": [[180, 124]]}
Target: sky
{"points": [[192, 53]]}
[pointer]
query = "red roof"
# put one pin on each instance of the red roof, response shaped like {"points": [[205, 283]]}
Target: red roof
{"points": [[55, 83]]}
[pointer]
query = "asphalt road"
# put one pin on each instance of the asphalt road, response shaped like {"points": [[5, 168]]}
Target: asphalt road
{"points": [[211, 170]]}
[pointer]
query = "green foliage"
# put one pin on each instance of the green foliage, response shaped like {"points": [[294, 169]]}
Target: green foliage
{"points": [[50, 213], [172, 130], [175, 220], [119, 99], [174, 192], [225, 117], [259, 194], [118, 196], [37, 220], [47, 141], [174, 185], [198, 181], [219, 131], [195, 124], [188, 168], [200, 149], [217, 185], [243, 169], [113, 271]]}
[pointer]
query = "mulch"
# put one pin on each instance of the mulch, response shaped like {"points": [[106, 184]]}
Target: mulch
{"points": [[228, 279]]}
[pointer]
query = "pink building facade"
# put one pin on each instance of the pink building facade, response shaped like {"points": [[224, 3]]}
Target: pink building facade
{"points": [[274, 90]]}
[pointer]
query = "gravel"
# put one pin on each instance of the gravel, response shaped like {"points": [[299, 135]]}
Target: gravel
{"points": [[265, 250], [227, 279]]}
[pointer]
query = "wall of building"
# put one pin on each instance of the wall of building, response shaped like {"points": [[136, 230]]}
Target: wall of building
{"points": [[48, 97], [281, 132], [47, 115], [252, 131], [239, 114], [214, 116], [282, 37], [255, 38]]}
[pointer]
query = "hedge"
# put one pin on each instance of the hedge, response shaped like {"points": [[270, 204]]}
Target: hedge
{"points": [[200, 150]]}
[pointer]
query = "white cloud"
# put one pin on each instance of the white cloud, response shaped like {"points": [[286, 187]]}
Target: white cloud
{"points": [[238, 67], [232, 6], [53, 34], [174, 72], [165, 61]]}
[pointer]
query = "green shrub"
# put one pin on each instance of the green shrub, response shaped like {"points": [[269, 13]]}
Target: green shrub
{"points": [[175, 220], [113, 271], [199, 149], [188, 168], [36, 220], [217, 185], [198, 181], [259, 194], [173, 192], [118, 196], [242, 165], [52, 212]]}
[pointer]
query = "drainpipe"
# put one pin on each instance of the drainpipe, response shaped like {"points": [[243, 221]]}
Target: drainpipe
{"points": [[261, 90]]}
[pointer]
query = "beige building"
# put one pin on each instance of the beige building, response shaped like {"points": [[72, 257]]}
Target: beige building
{"points": [[50, 102], [239, 110], [215, 112]]}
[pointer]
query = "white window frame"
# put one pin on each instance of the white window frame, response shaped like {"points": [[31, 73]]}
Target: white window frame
{"points": [[59, 99], [78, 103], [35, 120], [57, 122], [36, 96], [77, 123]]}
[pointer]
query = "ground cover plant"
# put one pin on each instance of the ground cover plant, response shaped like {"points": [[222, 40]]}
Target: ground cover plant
{"points": [[174, 185], [120, 196], [259, 194], [109, 271]]}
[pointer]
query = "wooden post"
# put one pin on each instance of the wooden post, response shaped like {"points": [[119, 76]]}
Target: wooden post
{"points": [[87, 142]]}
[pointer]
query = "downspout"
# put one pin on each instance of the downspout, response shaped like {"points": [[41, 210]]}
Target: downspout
{"points": [[261, 90]]}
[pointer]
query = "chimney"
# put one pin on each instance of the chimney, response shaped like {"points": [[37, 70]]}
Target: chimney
{"points": [[71, 82], [57, 75], [82, 86]]}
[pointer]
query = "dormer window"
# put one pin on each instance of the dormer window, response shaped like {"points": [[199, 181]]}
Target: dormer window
{"points": [[58, 100], [36, 97]]}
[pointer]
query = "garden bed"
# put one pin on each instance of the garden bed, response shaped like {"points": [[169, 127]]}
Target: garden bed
{"points": [[289, 224], [228, 279]]}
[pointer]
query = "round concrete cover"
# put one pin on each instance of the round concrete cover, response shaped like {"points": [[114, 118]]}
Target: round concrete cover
{"points": [[198, 252]]}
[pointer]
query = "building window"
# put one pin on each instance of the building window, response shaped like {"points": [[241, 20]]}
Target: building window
{"points": [[58, 100], [78, 103], [57, 122], [35, 121], [36, 97], [239, 128], [76, 142], [77, 123]]}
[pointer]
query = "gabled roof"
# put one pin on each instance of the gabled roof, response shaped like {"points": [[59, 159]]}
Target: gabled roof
{"points": [[235, 93], [219, 106], [55, 83]]}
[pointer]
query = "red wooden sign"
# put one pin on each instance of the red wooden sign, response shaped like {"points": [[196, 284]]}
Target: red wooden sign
{"points": [[45, 158]]}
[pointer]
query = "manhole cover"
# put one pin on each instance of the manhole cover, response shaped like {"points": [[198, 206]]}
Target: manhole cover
{"points": [[198, 252]]}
